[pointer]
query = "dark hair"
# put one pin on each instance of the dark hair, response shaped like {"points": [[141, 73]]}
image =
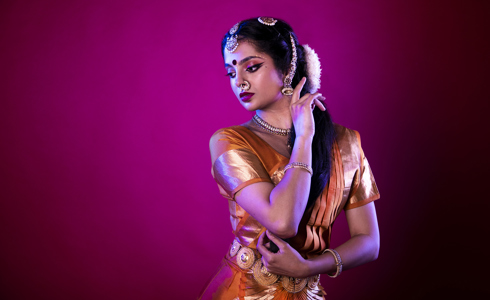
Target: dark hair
{"points": [[275, 41]]}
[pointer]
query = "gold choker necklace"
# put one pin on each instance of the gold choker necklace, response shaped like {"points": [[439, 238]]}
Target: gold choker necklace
{"points": [[269, 128]]}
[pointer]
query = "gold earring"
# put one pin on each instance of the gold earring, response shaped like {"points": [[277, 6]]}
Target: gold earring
{"points": [[288, 89]]}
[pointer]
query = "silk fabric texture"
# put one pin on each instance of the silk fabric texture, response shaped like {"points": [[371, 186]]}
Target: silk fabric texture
{"points": [[241, 158]]}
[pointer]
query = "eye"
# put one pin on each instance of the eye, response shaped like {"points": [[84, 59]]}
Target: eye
{"points": [[254, 68], [231, 74]]}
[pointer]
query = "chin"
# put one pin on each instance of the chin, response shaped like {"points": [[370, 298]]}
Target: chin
{"points": [[249, 106], [250, 109]]}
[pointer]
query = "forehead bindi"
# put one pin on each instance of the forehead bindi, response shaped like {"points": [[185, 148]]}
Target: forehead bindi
{"points": [[244, 60]]}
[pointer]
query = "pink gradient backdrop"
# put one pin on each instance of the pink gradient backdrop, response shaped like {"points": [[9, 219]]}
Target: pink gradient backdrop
{"points": [[106, 109]]}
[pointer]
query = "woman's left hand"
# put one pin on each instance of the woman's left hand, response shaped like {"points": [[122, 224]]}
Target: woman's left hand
{"points": [[287, 261]]}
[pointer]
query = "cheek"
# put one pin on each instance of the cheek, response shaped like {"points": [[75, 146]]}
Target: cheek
{"points": [[274, 77], [233, 86], [278, 78]]}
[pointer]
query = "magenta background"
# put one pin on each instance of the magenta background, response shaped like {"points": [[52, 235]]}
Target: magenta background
{"points": [[106, 109]]}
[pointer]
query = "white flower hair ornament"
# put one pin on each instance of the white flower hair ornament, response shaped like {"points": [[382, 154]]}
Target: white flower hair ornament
{"points": [[313, 69]]}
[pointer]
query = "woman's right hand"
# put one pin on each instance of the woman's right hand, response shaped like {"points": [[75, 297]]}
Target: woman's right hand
{"points": [[286, 261], [302, 110]]}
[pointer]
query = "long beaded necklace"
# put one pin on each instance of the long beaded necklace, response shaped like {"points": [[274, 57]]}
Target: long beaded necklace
{"points": [[274, 130]]}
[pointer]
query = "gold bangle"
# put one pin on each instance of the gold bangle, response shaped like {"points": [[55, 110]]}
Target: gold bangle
{"points": [[299, 165], [338, 262]]}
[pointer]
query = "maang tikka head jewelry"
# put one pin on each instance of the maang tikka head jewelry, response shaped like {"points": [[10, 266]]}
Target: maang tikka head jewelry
{"points": [[288, 89], [231, 41]]}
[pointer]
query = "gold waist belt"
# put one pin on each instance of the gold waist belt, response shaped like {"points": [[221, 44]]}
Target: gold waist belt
{"points": [[249, 259]]}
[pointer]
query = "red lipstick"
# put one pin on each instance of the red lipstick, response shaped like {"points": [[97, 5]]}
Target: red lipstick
{"points": [[245, 97]]}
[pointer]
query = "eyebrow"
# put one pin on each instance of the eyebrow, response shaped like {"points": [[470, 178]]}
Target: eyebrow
{"points": [[244, 60]]}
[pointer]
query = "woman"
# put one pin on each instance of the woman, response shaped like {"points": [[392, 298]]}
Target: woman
{"points": [[287, 173]]}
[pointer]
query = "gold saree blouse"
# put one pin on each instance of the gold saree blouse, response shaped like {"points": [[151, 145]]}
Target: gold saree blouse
{"points": [[241, 158]]}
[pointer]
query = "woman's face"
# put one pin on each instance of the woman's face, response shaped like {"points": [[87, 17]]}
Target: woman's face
{"points": [[245, 63]]}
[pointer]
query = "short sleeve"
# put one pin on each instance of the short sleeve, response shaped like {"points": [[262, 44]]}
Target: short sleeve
{"points": [[363, 189], [235, 164]]}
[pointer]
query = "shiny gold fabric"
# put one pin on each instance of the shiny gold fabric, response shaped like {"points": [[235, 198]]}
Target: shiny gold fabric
{"points": [[241, 158]]}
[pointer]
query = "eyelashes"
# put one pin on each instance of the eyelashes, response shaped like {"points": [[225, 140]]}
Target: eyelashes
{"points": [[254, 68], [250, 69]]}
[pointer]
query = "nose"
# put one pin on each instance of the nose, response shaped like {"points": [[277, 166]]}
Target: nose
{"points": [[243, 85], [239, 80]]}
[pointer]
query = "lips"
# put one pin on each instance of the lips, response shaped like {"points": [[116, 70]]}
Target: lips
{"points": [[245, 97]]}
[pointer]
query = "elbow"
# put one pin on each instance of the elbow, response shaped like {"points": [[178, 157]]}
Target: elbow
{"points": [[375, 250], [369, 247], [285, 230], [286, 234], [375, 254]]}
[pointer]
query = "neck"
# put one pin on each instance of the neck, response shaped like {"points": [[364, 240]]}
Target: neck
{"points": [[280, 118]]}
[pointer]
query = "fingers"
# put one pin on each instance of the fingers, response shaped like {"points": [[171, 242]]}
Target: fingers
{"points": [[307, 98], [310, 101], [280, 243], [266, 254], [261, 248], [260, 243], [318, 103], [297, 89]]}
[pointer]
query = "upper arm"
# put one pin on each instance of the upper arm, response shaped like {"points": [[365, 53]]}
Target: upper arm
{"points": [[242, 177], [360, 211], [255, 199], [362, 220]]}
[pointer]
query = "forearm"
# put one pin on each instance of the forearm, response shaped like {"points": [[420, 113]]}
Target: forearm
{"points": [[289, 198], [358, 250]]}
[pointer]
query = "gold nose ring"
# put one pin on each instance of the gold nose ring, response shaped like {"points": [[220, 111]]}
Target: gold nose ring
{"points": [[245, 85]]}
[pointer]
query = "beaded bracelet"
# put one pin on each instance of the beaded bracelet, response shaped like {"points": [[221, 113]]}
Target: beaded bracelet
{"points": [[299, 165], [338, 262]]}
